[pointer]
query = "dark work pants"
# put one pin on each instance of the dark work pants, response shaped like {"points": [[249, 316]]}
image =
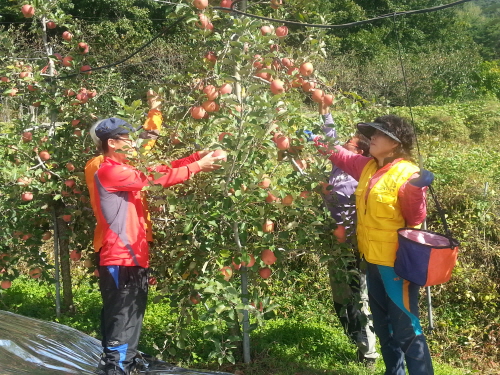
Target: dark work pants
{"points": [[350, 300], [394, 307], [124, 292]]}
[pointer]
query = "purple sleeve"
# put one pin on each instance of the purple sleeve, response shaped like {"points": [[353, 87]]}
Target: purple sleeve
{"points": [[327, 121]]}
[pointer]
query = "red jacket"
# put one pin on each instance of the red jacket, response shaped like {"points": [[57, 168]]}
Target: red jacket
{"points": [[119, 207]]}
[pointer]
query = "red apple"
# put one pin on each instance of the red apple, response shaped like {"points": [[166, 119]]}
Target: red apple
{"points": [[67, 61], [270, 197], [70, 167], [268, 226], [66, 218], [200, 4], [227, 272], [328, 99], [44, 155], [283, 143], [306, 69], [275, 4], [268, 257], [83, 47], [265, 183], [288, 200], [45, 176], [5, 284], [282, 31], [222, 135], [35, 273], [198, 112], [75, 255], [211, 92], [86, 69], [226, 88], [257, 61], [27, 196], [265, 273], [67, 36], [27, 136], [195, 298], [251, 263], [51, 25], [339, 233], [211, 56], [277, 87], [28, 11], [23, 181], [317, 96], [308, 86], [265, 30], [210, 106], [287, 62]]}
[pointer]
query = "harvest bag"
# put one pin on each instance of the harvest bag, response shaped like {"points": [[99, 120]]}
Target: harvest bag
{"points": [[425, 258]]}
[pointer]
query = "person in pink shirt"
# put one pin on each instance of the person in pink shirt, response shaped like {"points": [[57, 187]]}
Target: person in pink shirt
{"points": [[391, 194]]}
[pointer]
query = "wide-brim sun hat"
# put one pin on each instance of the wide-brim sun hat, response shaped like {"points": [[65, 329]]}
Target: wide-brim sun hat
{"points": [[369, 128]]}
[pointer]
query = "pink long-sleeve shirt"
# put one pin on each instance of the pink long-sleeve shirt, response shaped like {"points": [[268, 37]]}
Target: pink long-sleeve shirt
{"points": [[412, 198]]}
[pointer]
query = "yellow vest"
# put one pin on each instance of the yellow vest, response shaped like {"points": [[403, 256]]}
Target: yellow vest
{"points": [[379, 214]]}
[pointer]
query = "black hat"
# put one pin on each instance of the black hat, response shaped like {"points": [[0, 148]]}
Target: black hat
{"points": [[368, 128]]}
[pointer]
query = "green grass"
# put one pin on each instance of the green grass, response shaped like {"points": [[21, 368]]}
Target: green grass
{"points": [[304, 338]]}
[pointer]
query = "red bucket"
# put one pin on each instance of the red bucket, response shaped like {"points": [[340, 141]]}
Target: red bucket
{"points": [[425, 258]]}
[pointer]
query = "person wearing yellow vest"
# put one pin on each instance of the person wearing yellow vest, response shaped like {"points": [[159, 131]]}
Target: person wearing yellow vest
{"points": [[390, 195]]}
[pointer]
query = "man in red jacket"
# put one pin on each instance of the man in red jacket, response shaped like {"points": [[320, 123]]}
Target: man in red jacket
{"points": [[124, 255]]}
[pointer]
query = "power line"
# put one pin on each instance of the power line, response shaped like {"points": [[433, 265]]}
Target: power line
{"points": [[394, 14], [165, 30], [350, 24]]}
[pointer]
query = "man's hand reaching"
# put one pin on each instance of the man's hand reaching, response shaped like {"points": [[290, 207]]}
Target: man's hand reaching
{"points": [[208, 162], [154, 100]]}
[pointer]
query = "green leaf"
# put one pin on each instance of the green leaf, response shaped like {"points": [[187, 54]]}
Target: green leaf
{"points": [[181, 344], [325, 258], [187, 228], [220, 308], [120, 101]]}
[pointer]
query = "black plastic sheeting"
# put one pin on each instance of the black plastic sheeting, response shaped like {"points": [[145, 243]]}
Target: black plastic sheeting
{"points": [[35, 347]]}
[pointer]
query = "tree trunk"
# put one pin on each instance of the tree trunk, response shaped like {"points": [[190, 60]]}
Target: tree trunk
{"points": [[64, 261]]}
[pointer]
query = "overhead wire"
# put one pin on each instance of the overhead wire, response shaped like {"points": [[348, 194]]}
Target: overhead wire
{"points": [[232, 9], [350, 24], [165, 29]]}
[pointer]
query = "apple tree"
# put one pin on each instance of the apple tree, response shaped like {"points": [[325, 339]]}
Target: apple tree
{"points": [[50, 97], [222, 237]]}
